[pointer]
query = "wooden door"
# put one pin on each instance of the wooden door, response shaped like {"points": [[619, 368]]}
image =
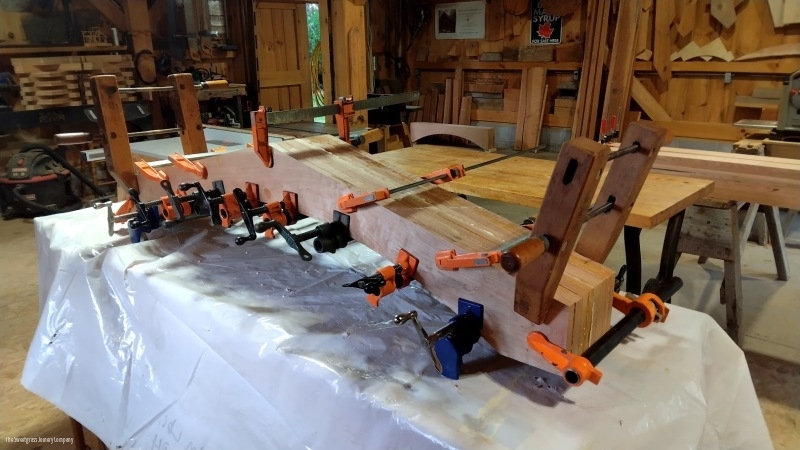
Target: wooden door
{"points": [[284, 80]]}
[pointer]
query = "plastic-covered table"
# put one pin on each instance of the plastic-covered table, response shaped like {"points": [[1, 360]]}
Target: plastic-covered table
{"points": [[187, 341]]}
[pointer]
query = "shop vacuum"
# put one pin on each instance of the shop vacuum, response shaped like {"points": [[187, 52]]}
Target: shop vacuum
{"points": [[37, 181]]}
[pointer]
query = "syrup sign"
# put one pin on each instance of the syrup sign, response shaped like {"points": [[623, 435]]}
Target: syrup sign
{"points": [[545, 28]]}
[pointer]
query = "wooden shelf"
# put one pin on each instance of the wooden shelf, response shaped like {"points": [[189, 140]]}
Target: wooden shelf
{"points": [[497, 65], [37, 50], [784, 66]]}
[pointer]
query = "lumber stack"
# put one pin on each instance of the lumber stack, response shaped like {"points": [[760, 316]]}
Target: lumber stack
{"points": [[64, 80], [588, 104], [489, 97], [747, 178]]}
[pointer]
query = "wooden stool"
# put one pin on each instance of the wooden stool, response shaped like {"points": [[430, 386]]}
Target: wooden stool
{"points": [[711, 230]]}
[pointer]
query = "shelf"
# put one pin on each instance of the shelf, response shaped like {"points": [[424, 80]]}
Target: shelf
{"points": [[37, 50], [497, 65], [774, 67]]}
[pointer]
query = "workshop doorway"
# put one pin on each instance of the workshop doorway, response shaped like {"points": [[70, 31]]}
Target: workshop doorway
{"points": [[282, 56]]}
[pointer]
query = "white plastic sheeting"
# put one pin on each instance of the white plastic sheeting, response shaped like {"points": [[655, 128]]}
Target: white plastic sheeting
{"points": [[188, 341]]}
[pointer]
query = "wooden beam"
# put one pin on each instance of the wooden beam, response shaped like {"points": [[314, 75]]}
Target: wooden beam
{"points": [[574, 181], [523, 103], [349, 51], [138, 21], [458, 93], [327, 61], [620, 71], [623, 183], [483, 137], [709, 130], [448, 102], [662, 40], [747, 178], [648, 103]]}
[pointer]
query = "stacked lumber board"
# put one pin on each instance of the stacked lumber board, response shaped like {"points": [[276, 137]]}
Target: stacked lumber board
{"points": [[488, 97], [423, 221], [64, 80], [589, 97], [747, 178]]}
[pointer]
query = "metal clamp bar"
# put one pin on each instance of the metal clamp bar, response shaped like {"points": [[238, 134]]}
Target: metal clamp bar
{"points": [[153, 132]]}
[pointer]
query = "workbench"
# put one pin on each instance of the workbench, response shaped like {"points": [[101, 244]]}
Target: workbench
{"points": [[523, 181], [189, 341]]}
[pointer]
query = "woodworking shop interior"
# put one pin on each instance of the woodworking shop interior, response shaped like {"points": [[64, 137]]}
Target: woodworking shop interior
{"points": [[399, 224]]}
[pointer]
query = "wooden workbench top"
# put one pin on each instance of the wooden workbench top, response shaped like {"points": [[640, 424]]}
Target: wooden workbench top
{"points": [[523, 181]]}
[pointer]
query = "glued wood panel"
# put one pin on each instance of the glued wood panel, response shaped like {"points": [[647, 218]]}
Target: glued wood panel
{"points": [[422, 220]]}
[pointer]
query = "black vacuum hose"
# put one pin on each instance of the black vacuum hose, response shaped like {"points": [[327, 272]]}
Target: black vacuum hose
{"points": [[61, 160], [36, 207]]}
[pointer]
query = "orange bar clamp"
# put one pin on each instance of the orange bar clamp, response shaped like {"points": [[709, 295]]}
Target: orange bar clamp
{"points": [[150, 173], [349, 203], [261, 136], [448, 260], [186, 165]]}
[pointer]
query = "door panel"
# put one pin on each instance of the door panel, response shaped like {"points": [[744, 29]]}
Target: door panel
{"points": [[284, 80]]}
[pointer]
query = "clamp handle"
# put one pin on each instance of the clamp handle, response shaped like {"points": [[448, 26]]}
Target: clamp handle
{"points": [[575, 369], [349, 203], [650, 304], [150, 173], [449, 260], [182, 163], [448, 173]]}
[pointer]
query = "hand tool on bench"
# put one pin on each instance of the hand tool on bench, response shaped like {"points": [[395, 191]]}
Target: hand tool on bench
{"points": [[349, 203], [448, 345], [640, 312], [387, 279]]}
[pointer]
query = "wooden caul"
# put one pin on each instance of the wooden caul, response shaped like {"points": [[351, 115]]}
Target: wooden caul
{"points": [[427, 219]]}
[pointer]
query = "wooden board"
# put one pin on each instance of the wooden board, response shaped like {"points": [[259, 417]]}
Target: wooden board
{"points": [[620, 71], [111, 120], [747, 178], [187, 113], [523, 103], [662, 42], [423, 220], [534, 108], [458, 93], [623, 183], [777, 51], [483, 137], [448, 102], [568, 196], [523, 181]]}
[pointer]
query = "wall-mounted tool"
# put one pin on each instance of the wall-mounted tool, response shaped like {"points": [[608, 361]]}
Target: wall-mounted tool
{"points": [[641, 312], [350, 203], [387, 279], [448, 345]]}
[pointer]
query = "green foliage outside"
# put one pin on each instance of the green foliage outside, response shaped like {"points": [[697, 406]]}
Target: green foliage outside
{"points": [[312, 12]]}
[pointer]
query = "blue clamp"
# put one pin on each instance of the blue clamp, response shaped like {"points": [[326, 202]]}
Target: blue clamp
{"points": [[464, 330], [144, 223]]}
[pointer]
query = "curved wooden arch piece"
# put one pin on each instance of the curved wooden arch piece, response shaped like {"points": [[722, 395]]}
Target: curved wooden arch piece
{"points": [[483, 137]]}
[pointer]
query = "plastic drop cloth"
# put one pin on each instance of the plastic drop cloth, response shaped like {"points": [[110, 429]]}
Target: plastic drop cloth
{"points": [[188, 341]]}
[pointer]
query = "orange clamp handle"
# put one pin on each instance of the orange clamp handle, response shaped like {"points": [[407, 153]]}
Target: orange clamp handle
{"points": [[215, 84], [575, 369], [168, 212], [185, 165], [150, 173], [651, 305], [349, 203], [261, 136], [450, 172], [449, 260]]}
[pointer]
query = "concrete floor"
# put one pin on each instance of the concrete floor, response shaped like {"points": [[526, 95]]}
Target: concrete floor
{"points": [[770, 325]]}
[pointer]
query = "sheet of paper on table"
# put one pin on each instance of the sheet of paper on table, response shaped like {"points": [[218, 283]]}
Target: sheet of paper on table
{"points": [[188, 341]]}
